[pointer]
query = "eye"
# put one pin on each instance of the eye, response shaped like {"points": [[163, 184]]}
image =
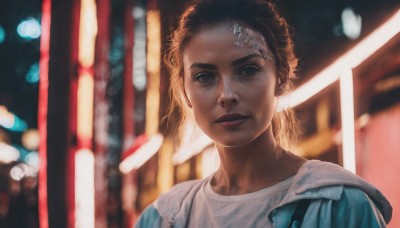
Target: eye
{"points": [[204, 77], [248, 71]]}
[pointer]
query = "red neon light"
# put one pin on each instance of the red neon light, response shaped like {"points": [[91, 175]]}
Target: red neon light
{"points": [[42, 112], [139, 141]]}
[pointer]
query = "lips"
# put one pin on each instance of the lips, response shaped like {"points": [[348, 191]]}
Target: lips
{"points": [[231, 117]]}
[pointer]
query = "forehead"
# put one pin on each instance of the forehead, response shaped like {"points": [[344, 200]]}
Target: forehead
{"points": [[212, 35], [225, 39]]}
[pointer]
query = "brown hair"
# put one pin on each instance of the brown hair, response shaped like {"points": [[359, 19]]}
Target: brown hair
{"points": [[258, 14]]}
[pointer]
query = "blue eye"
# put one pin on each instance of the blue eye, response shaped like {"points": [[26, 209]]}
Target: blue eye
{"points": [[204, 77], [248, 71]]}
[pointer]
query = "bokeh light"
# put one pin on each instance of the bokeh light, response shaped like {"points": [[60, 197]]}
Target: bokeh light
{"points": [[30, 139], [84, 188], [351, 23], [139, 49], [33, 74], [8, 153], [10, 121], [18, 172], [2, 34], [29, 29], [32, 159]]}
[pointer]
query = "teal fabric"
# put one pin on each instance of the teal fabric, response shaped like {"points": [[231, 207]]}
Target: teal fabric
{"points": [[149, 218], [353, 209]]}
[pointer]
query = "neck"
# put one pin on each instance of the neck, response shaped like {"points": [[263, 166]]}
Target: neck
{"points": [[253, 166]]}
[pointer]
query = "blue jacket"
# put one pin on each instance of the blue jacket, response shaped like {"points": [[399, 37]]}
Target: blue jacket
{"points": [[338, 199]]}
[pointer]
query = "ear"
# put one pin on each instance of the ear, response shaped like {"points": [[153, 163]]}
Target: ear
{"points": [[186, 98]]}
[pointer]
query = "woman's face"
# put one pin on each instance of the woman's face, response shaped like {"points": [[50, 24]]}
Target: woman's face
{"points": [[229, 82]]}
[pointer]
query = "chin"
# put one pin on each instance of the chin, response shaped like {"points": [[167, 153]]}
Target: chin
{"points": [[240, 138], [232, 142]]}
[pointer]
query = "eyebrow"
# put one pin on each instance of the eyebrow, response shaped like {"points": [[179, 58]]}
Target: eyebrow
{"points": [[234, 63], [245, 59], [203, 65]]}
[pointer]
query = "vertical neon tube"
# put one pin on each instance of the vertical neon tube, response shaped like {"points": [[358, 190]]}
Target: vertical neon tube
{"points": [[84, 188], [347, 116], [42, 113], [153, 70], [84, 158]]}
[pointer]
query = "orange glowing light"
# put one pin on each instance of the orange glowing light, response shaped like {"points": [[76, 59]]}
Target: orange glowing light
{"points": [[85, 106], [87, 33], [153, 70], [30, 139]]}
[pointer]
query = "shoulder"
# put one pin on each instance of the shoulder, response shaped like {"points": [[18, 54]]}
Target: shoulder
{"points": [[356, 209], [178, 199], [167, 205], [324, 180], [353, 198], [352, 209], [315, 175]]}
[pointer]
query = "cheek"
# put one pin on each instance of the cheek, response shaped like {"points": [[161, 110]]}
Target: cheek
{"points": [[262, 99], [186, 90], [202, 106], [260, 90], [199, 97]]}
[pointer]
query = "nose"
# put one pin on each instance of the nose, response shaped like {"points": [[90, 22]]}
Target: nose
{"points": [[227, 94]]}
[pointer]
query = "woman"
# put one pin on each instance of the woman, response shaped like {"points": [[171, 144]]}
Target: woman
{"points": [[230, 60]]}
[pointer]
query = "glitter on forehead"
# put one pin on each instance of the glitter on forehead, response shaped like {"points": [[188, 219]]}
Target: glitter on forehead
{"points": [[247, 36]]}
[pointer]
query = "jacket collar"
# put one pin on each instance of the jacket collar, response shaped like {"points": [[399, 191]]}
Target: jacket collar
{"points": [[316, 179]]}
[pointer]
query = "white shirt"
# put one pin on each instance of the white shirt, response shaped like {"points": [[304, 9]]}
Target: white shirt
{"points": [[210, 209]]}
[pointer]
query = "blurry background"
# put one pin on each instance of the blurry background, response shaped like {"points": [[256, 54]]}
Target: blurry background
{"points": [[83, 91]]}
